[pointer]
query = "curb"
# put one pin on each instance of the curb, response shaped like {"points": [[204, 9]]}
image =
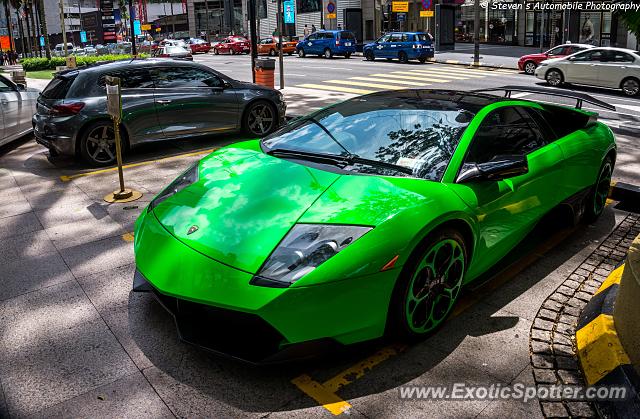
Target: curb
{"points": [[602, 357], [470, 64], [626, 193]]}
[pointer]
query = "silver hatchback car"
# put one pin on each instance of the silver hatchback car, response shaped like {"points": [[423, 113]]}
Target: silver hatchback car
{"points": [[162, 99], [17, 105]]}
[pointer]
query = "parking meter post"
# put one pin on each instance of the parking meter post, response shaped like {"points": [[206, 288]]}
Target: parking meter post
{"points": [[280, 17], [254, 37]]}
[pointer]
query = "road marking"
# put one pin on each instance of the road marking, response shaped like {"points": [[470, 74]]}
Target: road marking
{"points": [[465, 71], [441, 74], [429, 78], [396, 76], [452, 61], [128, 237], [519, 95], [629, 107], [325, 393], [335, 88], [447, 73], [613, 278], [68, 178], [357, 83], [385, 80]]}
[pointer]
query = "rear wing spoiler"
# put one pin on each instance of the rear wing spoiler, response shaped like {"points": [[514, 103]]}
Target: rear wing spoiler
{"points": [[579, 97]]}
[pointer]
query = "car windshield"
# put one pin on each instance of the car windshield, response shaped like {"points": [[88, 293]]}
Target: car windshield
{"points": [[404, 130]]}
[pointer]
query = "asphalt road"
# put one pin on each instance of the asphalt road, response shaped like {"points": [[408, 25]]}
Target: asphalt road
{"points": [[314, 82]]}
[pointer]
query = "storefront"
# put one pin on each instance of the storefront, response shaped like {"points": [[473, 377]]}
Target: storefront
{"points": [[225, 17], [497, 26]]}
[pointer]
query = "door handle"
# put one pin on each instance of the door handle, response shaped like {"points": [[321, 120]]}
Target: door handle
{"points": [[163, 101]]}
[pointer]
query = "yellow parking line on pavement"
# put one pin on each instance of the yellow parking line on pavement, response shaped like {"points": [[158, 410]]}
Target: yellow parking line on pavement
{"points": [[358, 83], [128, 237], [335, 89], [317, 392], [68, 178], [425, 77], [386, 80], [443, 73], [447, 73]]}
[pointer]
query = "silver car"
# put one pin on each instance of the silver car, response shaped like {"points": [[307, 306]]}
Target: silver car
{"points": [[17, 106], [162, 99]]}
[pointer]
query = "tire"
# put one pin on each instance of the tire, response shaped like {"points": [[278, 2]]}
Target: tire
{"points": [[597, 198], [327, 53], [421, 301], [404, 59], [389, 59], [272, 52], [347, 55], [554, 78], [215, 51], [369, 56], [289, 53], [97, 144], [232, 51], [301, 53], [422, 60], [530, 67], [254, 119], [630, 86]]}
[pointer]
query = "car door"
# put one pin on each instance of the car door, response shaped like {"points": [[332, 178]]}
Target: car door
{"points": [[393, 46], [310, 44], [193, 101], [507, 209], [616, 67], [11, 103], [379, 49], [584, 67]]}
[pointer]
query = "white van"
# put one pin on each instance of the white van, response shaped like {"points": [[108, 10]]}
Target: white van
{"points": [[58, 51]]}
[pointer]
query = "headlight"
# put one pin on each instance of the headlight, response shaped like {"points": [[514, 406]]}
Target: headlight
{"points": [[303, 249], [189, 177]]}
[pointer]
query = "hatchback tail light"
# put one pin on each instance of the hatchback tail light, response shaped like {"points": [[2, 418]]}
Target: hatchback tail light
{"points": [[67, 109]]}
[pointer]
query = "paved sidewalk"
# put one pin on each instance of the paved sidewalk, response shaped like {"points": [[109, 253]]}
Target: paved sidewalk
{"points": [[500, 56]]}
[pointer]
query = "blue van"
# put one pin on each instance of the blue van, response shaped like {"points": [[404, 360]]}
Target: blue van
{"points": [[404, 46], [328, 44]]}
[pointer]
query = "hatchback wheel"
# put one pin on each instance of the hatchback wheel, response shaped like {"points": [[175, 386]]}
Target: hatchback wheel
{"points": [[98, 144], [369, 56], [630, 86], [554, 78], [259, 119], [328, 53], [301, 53], [530, 67]]}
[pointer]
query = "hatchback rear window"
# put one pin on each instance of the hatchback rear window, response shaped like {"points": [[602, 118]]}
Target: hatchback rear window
{"points": [[58, 88], [347, 35]]}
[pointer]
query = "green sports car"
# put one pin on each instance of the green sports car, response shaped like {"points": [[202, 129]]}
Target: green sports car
{"points": [[361, 219]]}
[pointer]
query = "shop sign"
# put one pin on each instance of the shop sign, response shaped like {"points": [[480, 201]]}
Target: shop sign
{"points": [[400, 6]]}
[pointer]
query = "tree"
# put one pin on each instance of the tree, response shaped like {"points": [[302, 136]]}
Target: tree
{"points": [[43, 27], [632, 21], [7, 16]]}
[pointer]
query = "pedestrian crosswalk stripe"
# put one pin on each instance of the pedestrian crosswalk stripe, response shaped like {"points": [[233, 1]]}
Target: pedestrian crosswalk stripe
{"points": [[358, 83], [386, 80], [447, 73], [336, 88], [441, 74], [462, 70], [397, 76], [423, 77]]}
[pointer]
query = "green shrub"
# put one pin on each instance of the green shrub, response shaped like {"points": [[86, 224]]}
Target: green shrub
{"points": [[37, 64]]}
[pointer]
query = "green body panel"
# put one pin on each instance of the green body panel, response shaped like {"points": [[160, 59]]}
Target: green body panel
{"points": [[246, 201]]}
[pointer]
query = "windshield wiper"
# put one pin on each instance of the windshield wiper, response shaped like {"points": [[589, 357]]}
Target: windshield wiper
{"points": [[341, 161]]}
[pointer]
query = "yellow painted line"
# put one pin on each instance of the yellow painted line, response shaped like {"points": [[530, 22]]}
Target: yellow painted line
{"points": [[442, 74], [452, 61], [336, 89], [396, 76], [428, 78], [599, 349], [68, 178], [612, 185], [448, 73], [613, 278], [403, 82], [128, 237], [317, 392], [359, 83], [471, 70]]}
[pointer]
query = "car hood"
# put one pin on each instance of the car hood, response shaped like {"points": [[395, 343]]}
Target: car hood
{"points": [[243, 204], [538, 56], [552, 60]]}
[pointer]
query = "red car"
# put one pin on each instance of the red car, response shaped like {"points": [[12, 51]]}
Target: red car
{"points": [[199, 45], [528, 63], [233, 45]]}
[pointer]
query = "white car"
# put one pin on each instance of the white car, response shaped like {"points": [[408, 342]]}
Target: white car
{"points": [[615, 68], [17, 106]]}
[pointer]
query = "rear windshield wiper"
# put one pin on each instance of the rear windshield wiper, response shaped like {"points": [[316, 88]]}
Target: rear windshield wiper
{"points": [[341, 161]]}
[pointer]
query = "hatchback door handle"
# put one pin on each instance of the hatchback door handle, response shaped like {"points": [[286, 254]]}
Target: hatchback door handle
{"points": [[163, 101]]}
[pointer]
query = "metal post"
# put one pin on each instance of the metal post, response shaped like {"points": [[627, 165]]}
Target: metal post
{"points": [[64, 30], [134, 50], [206, 8], [80, 19], [542, 28], [280, 17], [476, 33], [173, 21], [254, 37]]}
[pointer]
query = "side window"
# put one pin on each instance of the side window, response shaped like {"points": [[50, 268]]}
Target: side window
{"points": [[4, 86], [396, 37], [405, 37], [138, 78], [540, 124], [172, 77], [385, 38], [503, 132], [621, 57], [597, 55], [312, 37], [584, 56], [556, 51]]}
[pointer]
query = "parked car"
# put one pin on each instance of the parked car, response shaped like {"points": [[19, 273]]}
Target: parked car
{"points": [[233, 45], [58, 50], [90, 51], [161, 100], [102, 49], [404, 46], [174, 42], [197, 45], [614, 68], [17, 106], [528, 63], [172, 51], [328, 44], [270, 46]]}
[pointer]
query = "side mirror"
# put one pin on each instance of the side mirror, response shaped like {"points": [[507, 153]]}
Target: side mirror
{"points": [[498, 168]]}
